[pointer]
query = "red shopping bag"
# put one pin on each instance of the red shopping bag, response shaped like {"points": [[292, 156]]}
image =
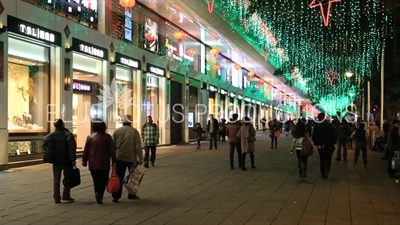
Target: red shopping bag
{"points": [[113, 184]]}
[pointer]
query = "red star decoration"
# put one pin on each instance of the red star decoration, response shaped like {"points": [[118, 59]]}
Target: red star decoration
{"points": [[329, 76], [325, 14]]}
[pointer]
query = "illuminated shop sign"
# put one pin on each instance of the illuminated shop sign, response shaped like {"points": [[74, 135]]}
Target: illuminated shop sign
{"points": [[232, 94], [247, 99], [262, 104], [253, 101], [155, 70], [81, 87], [212, 88], [89, 49], [240, 97], [127, 61], [258, 102], [34, 31], [223, 91]]}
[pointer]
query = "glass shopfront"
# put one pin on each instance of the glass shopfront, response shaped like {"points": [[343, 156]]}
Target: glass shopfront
{"points": [[192, 113], [212, 101], [240, 105], [232, 107], [30, 51], [154, 80], [126, 102], [88, 76], [224, 104]]}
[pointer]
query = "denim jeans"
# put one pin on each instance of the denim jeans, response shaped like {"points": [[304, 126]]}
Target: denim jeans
{"points": [[325, 158], [301, 162], [149, 152], [360, 147], [232, 146]]}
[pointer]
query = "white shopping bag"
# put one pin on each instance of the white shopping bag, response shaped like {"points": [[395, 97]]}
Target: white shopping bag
{"points": [[133, 179]]}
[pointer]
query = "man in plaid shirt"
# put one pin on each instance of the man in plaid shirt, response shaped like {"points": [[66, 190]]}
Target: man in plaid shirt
{"points": [[150, 139]]}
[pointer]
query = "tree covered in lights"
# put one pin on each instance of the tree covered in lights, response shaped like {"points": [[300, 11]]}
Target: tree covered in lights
{"points": [[289, 33]]}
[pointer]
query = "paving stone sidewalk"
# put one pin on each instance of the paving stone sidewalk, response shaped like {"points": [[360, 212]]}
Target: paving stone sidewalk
{"points": [[190, 186]]}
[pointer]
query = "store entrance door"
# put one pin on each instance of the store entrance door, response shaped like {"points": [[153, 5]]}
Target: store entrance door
{"points": [[177, 111], [82, 116]]}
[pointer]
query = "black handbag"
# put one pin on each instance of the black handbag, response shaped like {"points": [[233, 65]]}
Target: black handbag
{"points": [[73, 178]]}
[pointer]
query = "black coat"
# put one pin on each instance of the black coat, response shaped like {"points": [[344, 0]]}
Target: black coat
{"points": [[215, 124], [324, 134], [59, 147]]}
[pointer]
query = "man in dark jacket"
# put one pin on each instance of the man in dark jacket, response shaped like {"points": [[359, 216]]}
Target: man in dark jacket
{"points": [[234, 142], [393, 147], [324, 137], [60, 149], [212, 128], [343, 133]]}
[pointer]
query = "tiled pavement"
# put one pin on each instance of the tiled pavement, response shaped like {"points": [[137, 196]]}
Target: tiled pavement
{"points": [[190, 186]]}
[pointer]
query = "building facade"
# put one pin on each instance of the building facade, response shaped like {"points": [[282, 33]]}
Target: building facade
{"points": [[85, 60]]}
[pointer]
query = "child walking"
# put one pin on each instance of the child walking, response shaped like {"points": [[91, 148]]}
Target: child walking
{"points": [[301, 147], [199, 134]]}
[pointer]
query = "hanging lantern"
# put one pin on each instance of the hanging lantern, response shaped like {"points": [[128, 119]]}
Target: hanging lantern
{"points": [[127, 4], [149, 37], [191, 52], [216, 67], [250, 74], [179, 35], [214, 52], [237, 66], [257, 86]]}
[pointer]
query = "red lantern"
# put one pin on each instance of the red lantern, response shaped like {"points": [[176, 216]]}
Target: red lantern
{"points": [[237, 66], [191, 52], [127, 3], [149, 37], [179, 35], [216, 67], [214, 52], [250, 74]]}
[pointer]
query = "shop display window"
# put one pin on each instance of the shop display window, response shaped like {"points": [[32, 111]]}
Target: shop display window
{"points": [[25, 147], [28, 95], [152, 99], [123, 95]]}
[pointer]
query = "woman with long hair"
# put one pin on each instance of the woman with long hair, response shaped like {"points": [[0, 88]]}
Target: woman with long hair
{"points": [[299, 135]]}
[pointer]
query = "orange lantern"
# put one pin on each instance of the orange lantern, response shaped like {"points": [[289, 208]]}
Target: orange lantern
{"points": [[149, 37], [237, 66], [191, 52], [127, 3], [250, 74], [214, 51], [179, 35], [217, 67]]}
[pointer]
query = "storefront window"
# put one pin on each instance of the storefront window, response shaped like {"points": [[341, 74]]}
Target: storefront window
{"points": [[28, 87], [152, 99], [211, 103], [124, 104]]}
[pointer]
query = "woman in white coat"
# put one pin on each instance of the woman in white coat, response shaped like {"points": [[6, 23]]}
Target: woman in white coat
{"points": [[247, 135]]}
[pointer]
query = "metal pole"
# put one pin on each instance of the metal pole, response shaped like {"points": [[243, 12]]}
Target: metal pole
{"points": [[369, 102], [382, 83]]}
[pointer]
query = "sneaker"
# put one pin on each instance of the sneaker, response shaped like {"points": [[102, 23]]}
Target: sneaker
{"points": [[68, 199]]}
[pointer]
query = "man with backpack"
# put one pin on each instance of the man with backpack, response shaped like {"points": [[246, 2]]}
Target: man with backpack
{"points": [[324, 137], [60, 150]]}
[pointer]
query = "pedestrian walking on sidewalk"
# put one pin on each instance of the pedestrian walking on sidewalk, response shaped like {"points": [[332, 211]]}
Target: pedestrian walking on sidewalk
{"points": [[247, 135], [99, 152], [150, 135], [324, 137], [60, 150], [199, 134], [274, 133], [298, 144], [234, 141], [212, 128], [393, 148], [343, 133], [128, 149], [360, 137]]}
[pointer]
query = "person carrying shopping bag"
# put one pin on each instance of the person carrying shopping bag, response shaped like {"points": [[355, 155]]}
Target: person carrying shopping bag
{"points": [[302, 147], [99, 151], [128, 148], [247, 135]]}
